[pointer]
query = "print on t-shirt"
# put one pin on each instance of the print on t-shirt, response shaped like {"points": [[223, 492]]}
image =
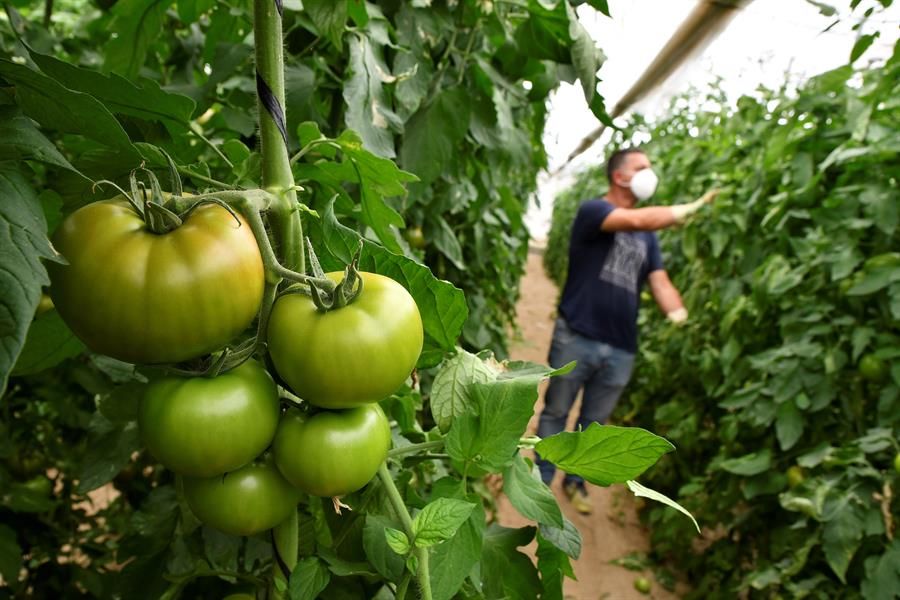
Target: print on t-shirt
{"points": [[623, 263]]}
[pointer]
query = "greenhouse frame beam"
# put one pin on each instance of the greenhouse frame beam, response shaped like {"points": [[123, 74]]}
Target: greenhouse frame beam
{"points": [[701, 27]]}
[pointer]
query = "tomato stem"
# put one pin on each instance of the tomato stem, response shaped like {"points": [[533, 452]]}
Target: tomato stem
{"points": [[413, 448], [396, 500], [285, 542]]}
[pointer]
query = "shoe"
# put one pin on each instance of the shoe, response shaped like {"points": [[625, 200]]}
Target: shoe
{"points": [[578, 496]]}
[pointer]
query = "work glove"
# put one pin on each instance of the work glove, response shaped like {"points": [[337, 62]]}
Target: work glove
{"points": [[677, 316], [681, 212]]}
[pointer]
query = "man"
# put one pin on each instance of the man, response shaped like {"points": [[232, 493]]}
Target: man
{"points": [[613, 252]]}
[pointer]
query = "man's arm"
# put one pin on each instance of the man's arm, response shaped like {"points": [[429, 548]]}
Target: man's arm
{"points": [[667, 297], [653, 218]]}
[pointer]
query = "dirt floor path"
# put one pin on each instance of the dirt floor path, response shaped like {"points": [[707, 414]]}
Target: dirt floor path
{"points": [[613, 530]]}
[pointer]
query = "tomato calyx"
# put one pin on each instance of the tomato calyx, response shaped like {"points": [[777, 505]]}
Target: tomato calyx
{"points": [[345, 292]]}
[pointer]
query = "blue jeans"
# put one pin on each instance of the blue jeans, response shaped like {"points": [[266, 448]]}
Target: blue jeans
{"points": [[602, 370]]}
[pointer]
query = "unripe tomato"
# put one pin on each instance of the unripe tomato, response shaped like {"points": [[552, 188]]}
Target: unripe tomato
{"points": [[642, 584], [415, 237], [897, 462], [348, 356], [795, 476], [200, 426], [244, 502], [873, 368], [332, 453], [151, 298]]}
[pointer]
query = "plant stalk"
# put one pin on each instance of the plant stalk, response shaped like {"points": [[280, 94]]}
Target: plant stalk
{"points": [[396, 500], [277, 177]]}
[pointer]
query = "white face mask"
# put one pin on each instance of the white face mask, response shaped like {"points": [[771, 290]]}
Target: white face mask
{"points": [[643, 184]]}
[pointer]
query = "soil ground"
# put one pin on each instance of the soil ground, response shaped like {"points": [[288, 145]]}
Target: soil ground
{"points": [[613, 530]]}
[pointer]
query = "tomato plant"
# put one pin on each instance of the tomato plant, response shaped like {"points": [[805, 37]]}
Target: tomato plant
{"points": [[309, 136], [148, 298], [332, 453], [872, 368], [351, 355], [202, 427], [249, 500]]}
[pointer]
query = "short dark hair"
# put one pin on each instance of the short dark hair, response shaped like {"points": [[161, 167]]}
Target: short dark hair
{"points": [[617, 158]]}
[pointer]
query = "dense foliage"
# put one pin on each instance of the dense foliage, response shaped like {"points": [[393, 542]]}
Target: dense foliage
{"points": [[112, 482], [782, 392]]}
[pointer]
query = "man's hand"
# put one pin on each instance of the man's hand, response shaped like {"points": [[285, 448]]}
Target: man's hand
{"points": [[681, 212], [678, 316]]}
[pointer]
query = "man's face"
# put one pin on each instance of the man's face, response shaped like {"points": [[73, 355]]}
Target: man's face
{"points": [[634, 162]]}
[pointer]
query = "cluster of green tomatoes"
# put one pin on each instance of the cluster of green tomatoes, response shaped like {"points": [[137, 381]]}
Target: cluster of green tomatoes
{"points": [[153, 298]]}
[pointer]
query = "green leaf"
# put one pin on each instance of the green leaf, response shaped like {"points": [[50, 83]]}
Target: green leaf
{"points": [[439, 521], [23, 236], [109, 449], [387, 561], [645, 492], [49, 342], [145, 101], [221, 550], [136, 26], [788, 424], [883, 574], [10, 555], [329, 17], [432, 134], [876, 277], [842, 537], [567, 538], [56, 107], [508, 572], [397, 541], [604, 454], [442, 305], [458, 555], [529, 495], [451, 390], [368, 110], [21, 140], [585, 56], [824, 9], [446, 241], [862, 44], [308, 579], [554, 566], [190, 12], [749, 464]]}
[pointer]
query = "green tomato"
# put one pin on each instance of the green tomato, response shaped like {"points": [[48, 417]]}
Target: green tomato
{"points": [[873, 368], [642, 584], [201, 426], [244, 502], [348, 356], [152, 298], [897, 462], [415, 237], [795, 475], [332, 453]]}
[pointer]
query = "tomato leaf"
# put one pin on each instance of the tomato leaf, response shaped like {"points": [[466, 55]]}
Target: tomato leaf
{"points": [[137, 24], [567, 538], [529, 495], [843, 535], [144, 100], [368, 109], [432, 134], [376, 542], [883, 573], [10, 555], [508, 573], [109, 450], [642, 491], [56, 107], [439, 521], [23, 141], [554, 566], [308, 579], [604, 454], [749, 464], [451, 389], [329, 18], [23, 235], [48, 343], [397, 541], [458, 555]]}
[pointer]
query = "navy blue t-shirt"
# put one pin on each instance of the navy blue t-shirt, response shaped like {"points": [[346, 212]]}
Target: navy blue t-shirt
{"points": [[606, 273]]}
